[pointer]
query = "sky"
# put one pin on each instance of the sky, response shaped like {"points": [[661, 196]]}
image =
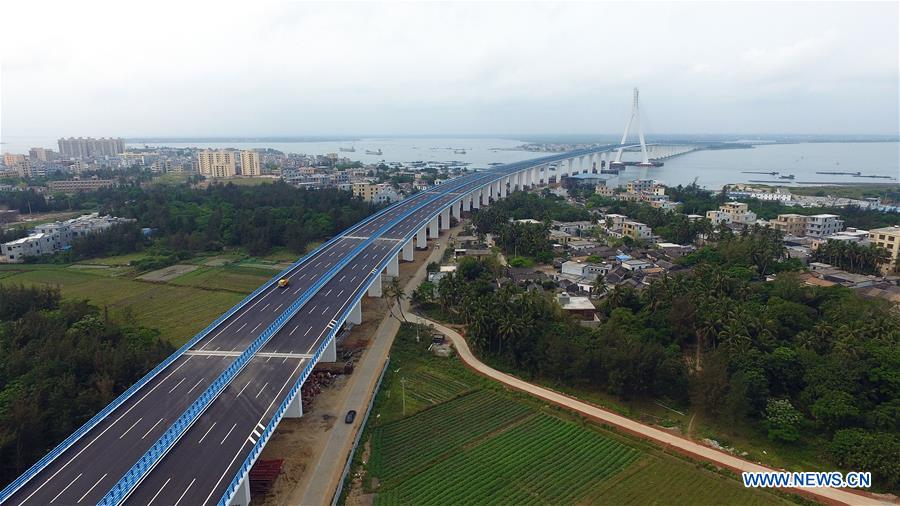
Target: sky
{"points": [[205, 69]]}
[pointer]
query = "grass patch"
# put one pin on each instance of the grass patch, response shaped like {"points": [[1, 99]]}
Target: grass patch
{"points": [[178, 312], [231, 278]]}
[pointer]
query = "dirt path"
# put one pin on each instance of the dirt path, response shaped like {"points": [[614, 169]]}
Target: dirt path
{"points": [[680, 444]]}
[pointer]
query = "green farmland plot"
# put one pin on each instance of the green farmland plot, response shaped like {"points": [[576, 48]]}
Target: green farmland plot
{"points": [[405, 446], [462, 440], [542, 460]]}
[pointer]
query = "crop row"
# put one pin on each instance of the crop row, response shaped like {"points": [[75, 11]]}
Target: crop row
{"points": [[543, 460], [401, 447]]}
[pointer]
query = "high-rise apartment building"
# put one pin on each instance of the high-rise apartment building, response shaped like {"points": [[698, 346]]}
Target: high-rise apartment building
{"points": [[250, 163], [41, 155], [219, 163], [88, 147]]}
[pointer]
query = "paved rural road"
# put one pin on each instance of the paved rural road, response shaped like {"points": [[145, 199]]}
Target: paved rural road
{"points": [[828, 495], [329, 469]]}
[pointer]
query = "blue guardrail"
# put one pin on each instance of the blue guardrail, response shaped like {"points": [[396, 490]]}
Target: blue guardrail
{"points": [[133, 476]]}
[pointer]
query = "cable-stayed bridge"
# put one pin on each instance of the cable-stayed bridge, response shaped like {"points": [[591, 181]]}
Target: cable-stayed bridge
{"points": [[190, 430]]}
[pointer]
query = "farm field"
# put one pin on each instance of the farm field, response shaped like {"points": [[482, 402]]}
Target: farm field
{"points": [[178, 312], [403, 447], [681, 483], [488, 445]]}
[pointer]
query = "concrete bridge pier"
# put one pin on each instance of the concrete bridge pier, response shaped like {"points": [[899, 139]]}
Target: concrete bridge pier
{"points": [[393, 266], [295, 408], [375, 289], [355, 316], [570, 163], [242, 496], [503, 183], [330, 353], [456, 210], [408, 251], [485, 196], [420, 239], [445, 219], [467, 203], [433, 228]]}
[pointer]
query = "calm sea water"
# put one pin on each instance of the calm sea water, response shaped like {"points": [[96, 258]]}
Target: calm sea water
{"points": [[712, 169]]}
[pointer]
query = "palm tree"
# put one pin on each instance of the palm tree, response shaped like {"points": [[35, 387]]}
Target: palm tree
{"points": [[508, 327], [395, 291]]}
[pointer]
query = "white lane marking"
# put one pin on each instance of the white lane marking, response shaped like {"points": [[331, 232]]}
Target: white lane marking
{"points": [[104, 432], [342, 278], [242, 327], [242, 390], [198, 381], [295, 330], [206, 433], [325, 310], [67, 488], [307, 331], [176, 385], [237, 454], [297, 290], [329, 292], [261, 427], [185, 491], [256, 327], [151, 428], [313, 308], [229, 433], [340, 293], [158, 492], [252, 441], [92, 488], [132, 426], [277, 308], [261, 390]]}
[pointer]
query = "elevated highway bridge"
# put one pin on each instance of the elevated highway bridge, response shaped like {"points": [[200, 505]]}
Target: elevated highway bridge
{"points": [[190, 430]]}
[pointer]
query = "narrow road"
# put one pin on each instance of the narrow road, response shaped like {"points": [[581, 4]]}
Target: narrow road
{"points": [[680, 444], [329, 465]]}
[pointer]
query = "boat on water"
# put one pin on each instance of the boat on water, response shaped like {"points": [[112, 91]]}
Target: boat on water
{"points": [[351, 149], [376, 152], [759, 172], [787, 176], [459, 151]]}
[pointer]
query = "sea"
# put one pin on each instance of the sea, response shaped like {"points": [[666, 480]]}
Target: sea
{"points": [[709, 168]]}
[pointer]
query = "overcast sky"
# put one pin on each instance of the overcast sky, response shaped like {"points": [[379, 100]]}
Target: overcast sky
{"points": [[186, 68]]}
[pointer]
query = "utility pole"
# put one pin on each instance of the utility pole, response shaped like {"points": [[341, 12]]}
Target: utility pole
{"points": [[403, 390]]}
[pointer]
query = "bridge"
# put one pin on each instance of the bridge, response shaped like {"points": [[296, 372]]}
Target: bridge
{"points": [[189, 431]]}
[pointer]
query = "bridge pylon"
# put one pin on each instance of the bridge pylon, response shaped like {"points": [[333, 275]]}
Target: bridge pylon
{"points": [[634, 119]]}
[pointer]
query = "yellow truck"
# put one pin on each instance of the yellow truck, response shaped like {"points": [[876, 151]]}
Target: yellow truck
{"points": [[283, 283]]}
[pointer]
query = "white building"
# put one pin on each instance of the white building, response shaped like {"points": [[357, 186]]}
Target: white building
{"points": [[823, 225], [53, 237], [732, 212], [584, 269]]}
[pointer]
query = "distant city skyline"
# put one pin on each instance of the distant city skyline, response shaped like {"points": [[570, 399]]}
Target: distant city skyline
{"points": [[442, 69]]}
